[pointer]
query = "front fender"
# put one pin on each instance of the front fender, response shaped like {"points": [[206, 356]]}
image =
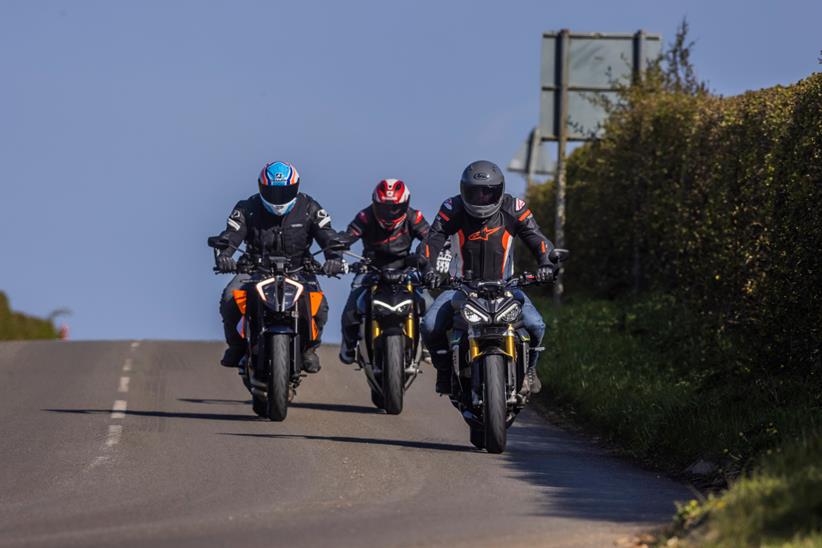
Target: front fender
{"points": [[281, 329]]}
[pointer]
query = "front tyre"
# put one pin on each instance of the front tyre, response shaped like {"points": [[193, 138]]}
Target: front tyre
{"points": [[393, 372], [376, 399], [280, 357], [495, 408]]}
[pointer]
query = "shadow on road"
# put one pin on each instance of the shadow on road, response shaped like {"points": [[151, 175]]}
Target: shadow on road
{"points": [[338, 407], [411, 444], [210, 401], [162, 414], [578, 480]]}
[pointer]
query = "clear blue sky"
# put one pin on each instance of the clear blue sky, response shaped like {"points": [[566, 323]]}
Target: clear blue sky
{"points": [[129, 129]]}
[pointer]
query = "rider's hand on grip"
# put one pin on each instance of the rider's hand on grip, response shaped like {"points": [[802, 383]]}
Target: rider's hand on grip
{"points": [[432, 279], [334, 267], [226, 263], [545, 273]]}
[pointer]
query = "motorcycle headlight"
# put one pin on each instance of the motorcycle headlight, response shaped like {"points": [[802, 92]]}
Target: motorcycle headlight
{"points": [[474, 315], [510, 314], [401, 309]]}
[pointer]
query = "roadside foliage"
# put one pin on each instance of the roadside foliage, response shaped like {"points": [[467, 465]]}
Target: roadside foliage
{"points": [[16, 326], [693, 324]]}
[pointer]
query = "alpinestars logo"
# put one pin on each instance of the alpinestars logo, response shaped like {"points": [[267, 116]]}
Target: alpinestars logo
{"points": [[484, 233]]}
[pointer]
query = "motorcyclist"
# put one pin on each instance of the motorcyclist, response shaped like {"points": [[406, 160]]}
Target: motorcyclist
{"points": [[387, 227], [278, 220], [482, 221]]}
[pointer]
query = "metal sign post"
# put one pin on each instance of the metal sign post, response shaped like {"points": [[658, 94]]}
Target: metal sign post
{"points": [[576, 70], [562, 139]]}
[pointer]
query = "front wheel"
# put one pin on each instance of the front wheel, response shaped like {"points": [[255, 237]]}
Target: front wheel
{"points": [[495, 408], [280, 357], [393, 373]]}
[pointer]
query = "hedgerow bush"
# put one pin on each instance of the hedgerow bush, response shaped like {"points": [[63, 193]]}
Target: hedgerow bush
{"points": [[14, 325], [717, 202]]}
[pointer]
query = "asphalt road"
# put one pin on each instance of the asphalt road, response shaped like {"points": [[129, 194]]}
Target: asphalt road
{"points": [[183, 461]]}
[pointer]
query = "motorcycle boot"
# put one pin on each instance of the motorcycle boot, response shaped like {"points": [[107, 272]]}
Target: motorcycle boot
{"points": [[443, 366], [347, 351], [443, 382], [233, 355], [531, 383], [349, 343], [311, 361], [534, 385]]}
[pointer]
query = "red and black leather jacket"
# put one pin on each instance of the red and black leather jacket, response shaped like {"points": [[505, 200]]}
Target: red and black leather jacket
{"points": [[485, 246], [387, 248]]}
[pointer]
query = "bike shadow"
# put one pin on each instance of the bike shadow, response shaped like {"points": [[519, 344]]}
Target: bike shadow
{"points": [[317, 406], [407, 444], [161, 414], [215, 401], [336, 407]]}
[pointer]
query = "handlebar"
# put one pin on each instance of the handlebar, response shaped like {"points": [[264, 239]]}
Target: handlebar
{"points": [[250, 265], [522, 280]]}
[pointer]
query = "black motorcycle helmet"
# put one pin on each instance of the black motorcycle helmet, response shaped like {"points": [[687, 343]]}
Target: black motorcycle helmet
{"points": [[482, 187]]}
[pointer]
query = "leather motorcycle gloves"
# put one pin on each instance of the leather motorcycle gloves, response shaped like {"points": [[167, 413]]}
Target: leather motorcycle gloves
{"points": [[545, 273], [335, 267], [226, 263], [432, 279]]}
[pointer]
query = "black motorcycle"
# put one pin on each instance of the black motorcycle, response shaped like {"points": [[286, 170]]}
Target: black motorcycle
{"points": [[489, 349], [389, 349], [274, 325]]}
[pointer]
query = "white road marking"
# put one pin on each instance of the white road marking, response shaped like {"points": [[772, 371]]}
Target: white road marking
{"points": [[98, 461], [123, 384], [135, 344], [127, 365], [114, 433], [118, 411]]}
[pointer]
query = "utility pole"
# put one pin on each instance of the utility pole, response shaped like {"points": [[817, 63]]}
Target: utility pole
{"points": [[562, 140]]}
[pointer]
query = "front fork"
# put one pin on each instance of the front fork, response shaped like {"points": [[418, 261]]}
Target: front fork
{"points": [[509, 351]]}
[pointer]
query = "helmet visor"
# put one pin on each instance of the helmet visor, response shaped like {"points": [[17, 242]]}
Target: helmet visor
{"points": [[481, 195], [390, 212], [279, 194]]}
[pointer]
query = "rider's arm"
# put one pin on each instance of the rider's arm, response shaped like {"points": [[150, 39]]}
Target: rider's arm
{"points": [[235, 228], [529, 231], [445, 224], [356, 228], [321, 228], [419, 229]]}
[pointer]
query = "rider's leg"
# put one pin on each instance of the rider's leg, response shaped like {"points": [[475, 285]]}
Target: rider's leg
{"points": [[437, 321], [231, 314], [351, 320], [533, 322], [425, 300]]}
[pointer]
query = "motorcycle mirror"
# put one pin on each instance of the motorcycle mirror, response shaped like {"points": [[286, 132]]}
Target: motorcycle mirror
{"points": [[218, 242], [559, 255]]}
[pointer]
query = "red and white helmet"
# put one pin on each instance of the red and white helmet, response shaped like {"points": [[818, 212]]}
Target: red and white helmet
{"points": [[390, 202]]}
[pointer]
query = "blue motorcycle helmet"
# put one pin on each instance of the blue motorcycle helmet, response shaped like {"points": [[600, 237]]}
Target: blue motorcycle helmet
{"points": [[279, 184]]}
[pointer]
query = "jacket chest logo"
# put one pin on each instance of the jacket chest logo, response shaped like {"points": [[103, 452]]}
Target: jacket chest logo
{"points": [[484, 233]]}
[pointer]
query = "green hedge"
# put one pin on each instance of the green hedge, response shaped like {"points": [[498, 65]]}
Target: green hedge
{"points": [[14, 325], [717, 202]]}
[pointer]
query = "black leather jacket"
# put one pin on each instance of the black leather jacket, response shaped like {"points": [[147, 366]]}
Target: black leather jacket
{"points": [[290, 235], [486, 246], [387, 248]]}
